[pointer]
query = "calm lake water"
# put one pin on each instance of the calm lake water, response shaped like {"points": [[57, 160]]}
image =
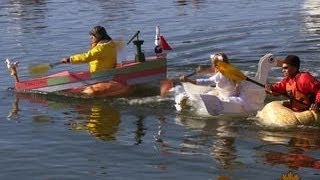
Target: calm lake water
{"points": [[145, 138]]}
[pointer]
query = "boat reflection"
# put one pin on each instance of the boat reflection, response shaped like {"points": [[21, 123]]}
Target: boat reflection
{"points": [[293, 149], [218, 133], [223, 149], [161, 143], [98, 118], [140, 130], [14, 112], [101, 121]]}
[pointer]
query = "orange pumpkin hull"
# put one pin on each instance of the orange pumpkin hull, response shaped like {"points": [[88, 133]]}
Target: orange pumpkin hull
{"points": [[110, 88]]}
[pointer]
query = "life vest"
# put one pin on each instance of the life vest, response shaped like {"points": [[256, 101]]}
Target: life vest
{"points": [[293, 91]]}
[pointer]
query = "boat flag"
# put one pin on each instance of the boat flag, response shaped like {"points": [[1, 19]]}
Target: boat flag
{"points": [[157, 38], [164, 44], [160, 42]]}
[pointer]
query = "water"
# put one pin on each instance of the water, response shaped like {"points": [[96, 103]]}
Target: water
{"points": [[144, 138]]}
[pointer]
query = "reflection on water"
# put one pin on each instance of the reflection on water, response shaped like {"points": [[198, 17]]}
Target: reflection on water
{"points": [[14, 113], [27, 15], [163, 145], [160, 134], [311, 11], [183, 5], [140, 130], [98, 119], [217, 133], [194, 3], [223, 149], [293, 148], [292, 160]]}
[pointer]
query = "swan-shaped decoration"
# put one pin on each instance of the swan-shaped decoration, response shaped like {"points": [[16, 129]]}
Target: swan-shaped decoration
{"points": [[204, 100]]}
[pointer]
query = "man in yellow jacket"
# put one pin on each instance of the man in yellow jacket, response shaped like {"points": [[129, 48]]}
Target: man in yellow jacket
{"points": [[101, 56]]}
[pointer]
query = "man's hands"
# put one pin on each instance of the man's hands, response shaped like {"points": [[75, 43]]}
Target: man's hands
{"points": [[268, 88], [315, 107], [65, 60]]}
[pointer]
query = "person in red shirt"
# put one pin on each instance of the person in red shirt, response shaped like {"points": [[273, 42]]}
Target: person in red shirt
{"points": [[302, 88]]}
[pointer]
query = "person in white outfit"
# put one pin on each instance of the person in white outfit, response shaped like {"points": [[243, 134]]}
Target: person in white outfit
{"points": [[225, 87]]}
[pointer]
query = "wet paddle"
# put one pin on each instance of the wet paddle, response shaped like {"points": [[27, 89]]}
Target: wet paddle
{"points": [[120, 43], [233, 73], [41, 69], [167, 84]]}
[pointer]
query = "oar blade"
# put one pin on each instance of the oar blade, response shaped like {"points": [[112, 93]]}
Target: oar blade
{"points": [[39, 69], [120, 43], [230, 71], [165, 86]]}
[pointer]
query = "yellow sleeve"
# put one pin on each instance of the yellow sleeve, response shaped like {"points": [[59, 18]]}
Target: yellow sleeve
{"points": [[86, 57], [101, 57]]}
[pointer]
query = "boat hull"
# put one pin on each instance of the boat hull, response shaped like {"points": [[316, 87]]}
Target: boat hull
{"points": [[119, 80], [275, 114], [205, 101]]}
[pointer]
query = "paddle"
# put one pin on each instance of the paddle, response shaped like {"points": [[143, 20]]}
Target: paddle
{"points": [[41, 69], [233, 73], [120, 43], [167, 84]]}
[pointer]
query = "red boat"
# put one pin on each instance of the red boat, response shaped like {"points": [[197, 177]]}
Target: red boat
{"points": [[120, 81]]}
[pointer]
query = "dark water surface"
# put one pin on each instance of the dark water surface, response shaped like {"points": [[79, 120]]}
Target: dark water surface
{"points": [[144, 138]]}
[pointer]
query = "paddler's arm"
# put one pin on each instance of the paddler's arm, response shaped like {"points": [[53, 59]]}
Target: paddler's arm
{"points": [[205, 69], [277, 88], [85, 57], [80, 58], [186, 79]]}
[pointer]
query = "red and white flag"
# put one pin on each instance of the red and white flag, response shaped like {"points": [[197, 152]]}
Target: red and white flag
{"points": [[164, 44], [160, 42]]}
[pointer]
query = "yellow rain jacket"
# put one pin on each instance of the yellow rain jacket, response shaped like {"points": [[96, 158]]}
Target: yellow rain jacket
{"points": [[101, 57]]}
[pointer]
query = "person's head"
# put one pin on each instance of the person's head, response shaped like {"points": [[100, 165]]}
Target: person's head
{"points": [[99, 33], [290, 65], [218, 57]]}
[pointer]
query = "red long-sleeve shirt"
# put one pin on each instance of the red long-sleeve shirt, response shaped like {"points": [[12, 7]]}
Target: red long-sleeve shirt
{"points": [[306, 84]]}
